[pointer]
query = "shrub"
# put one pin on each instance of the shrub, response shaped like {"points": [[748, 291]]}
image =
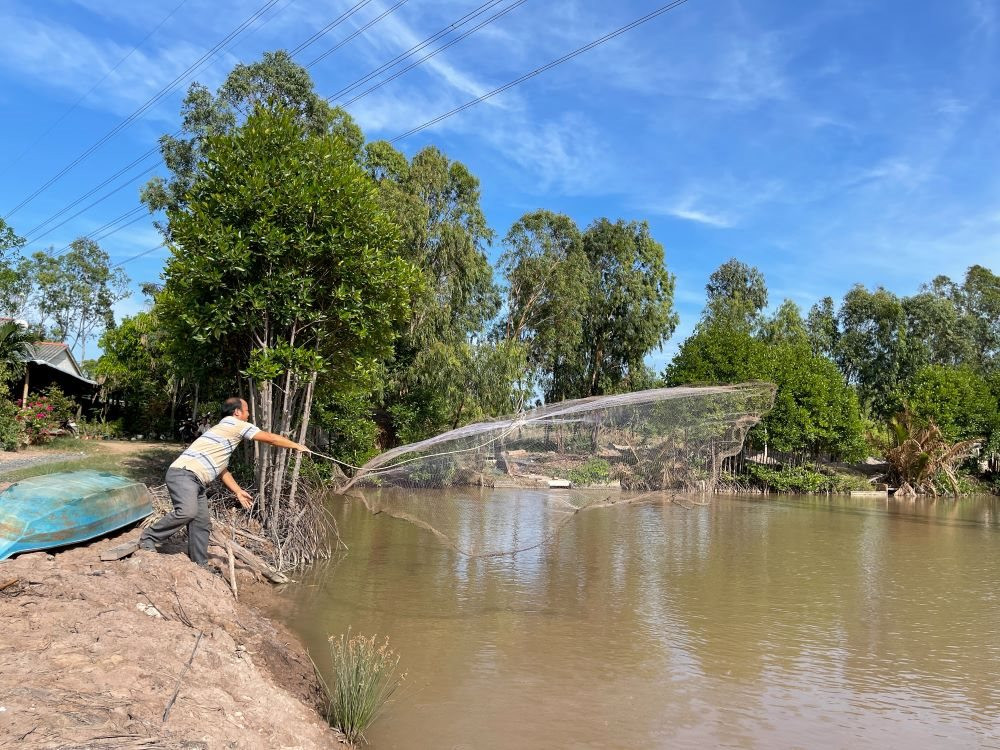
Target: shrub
{"points": [[805, 479], [364, 678], [592, 471], [43, 416], [12, 434]]}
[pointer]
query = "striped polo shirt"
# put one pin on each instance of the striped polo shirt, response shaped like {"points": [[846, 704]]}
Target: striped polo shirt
{"points": [[208, 456]]}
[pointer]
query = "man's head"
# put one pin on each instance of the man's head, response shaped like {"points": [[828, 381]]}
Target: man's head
{"points": [[235, 407]]}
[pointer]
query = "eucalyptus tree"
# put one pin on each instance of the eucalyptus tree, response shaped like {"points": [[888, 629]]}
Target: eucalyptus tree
{"points": [[629, 310], [283, 261], [436, 204], [15, 274], [738, 292], [547, 286], [77, 292]]}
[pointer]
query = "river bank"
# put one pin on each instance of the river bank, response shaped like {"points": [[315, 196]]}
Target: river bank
{"points": [[149, 651]]}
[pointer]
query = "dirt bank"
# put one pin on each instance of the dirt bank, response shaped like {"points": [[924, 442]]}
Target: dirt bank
{"points": [[92, 652]]}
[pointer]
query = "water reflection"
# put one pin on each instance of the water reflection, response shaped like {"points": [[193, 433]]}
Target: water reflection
{"points": [[801, 622]]}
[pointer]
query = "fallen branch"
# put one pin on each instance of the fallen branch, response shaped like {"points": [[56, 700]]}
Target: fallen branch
{"points": [[248, 557], [180, 679]]}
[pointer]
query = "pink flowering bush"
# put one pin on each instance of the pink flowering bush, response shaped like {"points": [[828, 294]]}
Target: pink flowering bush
{"points": [[43, 416]]}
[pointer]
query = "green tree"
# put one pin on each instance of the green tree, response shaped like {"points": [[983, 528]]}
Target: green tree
{"points": [[629, 309], [15, 274], [872, 348], [436, 203], [15, 350], [821, 325], [737, 292], [786, 325], [275, 81], [958, 400], [282, 259], [77, 291], [548, 282]]}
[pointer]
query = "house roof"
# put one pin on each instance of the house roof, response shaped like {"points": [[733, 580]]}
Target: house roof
{"points": [[55, 354]]}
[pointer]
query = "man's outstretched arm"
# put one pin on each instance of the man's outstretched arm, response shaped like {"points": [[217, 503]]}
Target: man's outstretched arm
{"points": [[279, 441]]}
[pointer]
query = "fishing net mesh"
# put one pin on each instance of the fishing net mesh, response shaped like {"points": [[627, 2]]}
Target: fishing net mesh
{"points": [[509, 485]]}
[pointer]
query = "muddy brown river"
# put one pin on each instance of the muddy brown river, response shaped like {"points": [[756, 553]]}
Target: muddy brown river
{"points": [[791, 622]]}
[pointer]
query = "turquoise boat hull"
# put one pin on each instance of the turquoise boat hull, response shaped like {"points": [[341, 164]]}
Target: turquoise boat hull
{"points": [[56, 510]]}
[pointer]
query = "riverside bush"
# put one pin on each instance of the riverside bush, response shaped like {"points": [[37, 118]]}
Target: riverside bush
{"points": [[364, 678], [805, 479], [592, 471]]}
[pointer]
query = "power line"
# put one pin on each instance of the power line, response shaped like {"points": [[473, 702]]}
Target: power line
{"points": [[357, 32], [91, 90], [139, 212], [179, 132], [330, 26], [145, 107], [136, 257], [429, 55], [70, 206], [99, 200], [537, 71], [415, 48]]}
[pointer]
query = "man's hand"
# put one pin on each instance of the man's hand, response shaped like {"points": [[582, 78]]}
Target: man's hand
{"points": [[246, 500], [302, 448]]}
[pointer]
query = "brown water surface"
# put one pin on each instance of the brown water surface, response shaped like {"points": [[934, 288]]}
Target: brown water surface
{"points": [[799, 622]]}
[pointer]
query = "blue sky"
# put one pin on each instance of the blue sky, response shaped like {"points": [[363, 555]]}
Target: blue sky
{"points": [[828, 143]]}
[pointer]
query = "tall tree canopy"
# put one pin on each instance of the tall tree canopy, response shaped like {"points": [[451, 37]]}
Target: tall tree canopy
{"points": [[282, 257], [274, 82]]}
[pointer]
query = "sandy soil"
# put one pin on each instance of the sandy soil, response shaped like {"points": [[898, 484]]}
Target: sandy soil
{"points": [[92, 652]]}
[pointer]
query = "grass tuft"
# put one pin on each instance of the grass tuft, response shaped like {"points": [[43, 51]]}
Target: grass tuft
{"points": [[364, 678]]}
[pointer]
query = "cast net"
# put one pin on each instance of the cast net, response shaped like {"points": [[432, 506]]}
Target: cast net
{"points": [[509, 485]]}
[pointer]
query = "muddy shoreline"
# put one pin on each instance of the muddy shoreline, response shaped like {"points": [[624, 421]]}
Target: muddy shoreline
{"points": [[92, 653]]}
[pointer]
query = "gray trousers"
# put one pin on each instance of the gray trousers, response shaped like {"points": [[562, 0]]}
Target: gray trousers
{"points": [[187, 493]]}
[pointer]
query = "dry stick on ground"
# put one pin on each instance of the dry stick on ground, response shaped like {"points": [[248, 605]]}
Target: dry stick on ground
{"points": [[166, 711], [232, 570]]}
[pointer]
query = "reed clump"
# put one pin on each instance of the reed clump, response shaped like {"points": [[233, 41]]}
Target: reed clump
{"points": [[365, 675]]}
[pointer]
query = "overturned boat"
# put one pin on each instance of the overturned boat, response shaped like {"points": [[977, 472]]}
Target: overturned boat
{"points": [[56, 510]]}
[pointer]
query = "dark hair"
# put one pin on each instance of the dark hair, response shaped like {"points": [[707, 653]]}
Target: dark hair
{"points": [[230, 405]]}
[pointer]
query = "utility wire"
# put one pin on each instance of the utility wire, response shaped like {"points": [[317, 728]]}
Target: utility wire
{"points": [[93, 234], [91, 90], [329, 27], [145, 107], [415, 48], [357, 32], [179, 132], [537, 71], [136, 257], [429, 55]]}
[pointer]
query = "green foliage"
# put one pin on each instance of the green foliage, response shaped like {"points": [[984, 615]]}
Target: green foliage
{"points": [[814, 410], [364, 678], [958, 400], [275, 82], [77, 291], [804, 479], [282, 248], [592, 471], [15, 275], [436, 204], [12, 434], [99, 429], [15, 350], [737, 294]]}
